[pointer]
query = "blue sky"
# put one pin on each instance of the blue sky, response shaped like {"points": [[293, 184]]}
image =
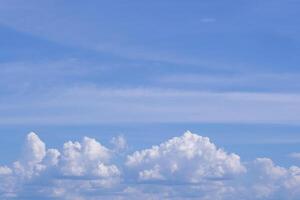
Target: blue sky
{"points": [[147, 71]]}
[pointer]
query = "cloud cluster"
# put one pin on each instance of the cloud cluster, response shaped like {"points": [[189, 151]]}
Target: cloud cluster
{"points": [[189, 158], [274, 182], [185, 167], [87, 159], [86, 165]]}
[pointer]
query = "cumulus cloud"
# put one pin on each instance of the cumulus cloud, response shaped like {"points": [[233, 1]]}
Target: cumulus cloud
{"points": [[4, 170], [199, 169], [189, 158], [89, 158], [185, 167], [35, 149], [84, 165], [272, 181], [33, 155], [52, 157]]}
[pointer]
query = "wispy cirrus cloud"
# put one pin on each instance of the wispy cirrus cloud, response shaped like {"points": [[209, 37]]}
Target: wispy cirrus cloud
{"points": [[94, 105], [241, 81]]}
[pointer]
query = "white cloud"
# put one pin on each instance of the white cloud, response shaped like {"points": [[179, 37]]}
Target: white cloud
{"points": [[269, 181], [80, 167], [35, 149], [189, 158], [52, 157], [206, 172], [88, 158], [31, 162], [269, 169], [185, 167], [4, 171], [151, 174]]}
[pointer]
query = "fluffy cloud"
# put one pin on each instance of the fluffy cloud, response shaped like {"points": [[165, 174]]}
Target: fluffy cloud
{"points": [[89, 158], [84, 165], [272, 181], [185, 167], [4, 170], [33, 155], [189, 158], [52, 157]]}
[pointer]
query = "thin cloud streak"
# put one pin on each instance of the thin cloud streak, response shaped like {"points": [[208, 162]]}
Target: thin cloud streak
{"points": [[255, 81], [93, 105]]}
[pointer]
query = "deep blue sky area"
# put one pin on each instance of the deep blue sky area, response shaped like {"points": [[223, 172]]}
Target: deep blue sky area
{"points": [[149, 71]]}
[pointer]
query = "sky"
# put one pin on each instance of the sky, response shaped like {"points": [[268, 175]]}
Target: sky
{"points": [[150, 99]]}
